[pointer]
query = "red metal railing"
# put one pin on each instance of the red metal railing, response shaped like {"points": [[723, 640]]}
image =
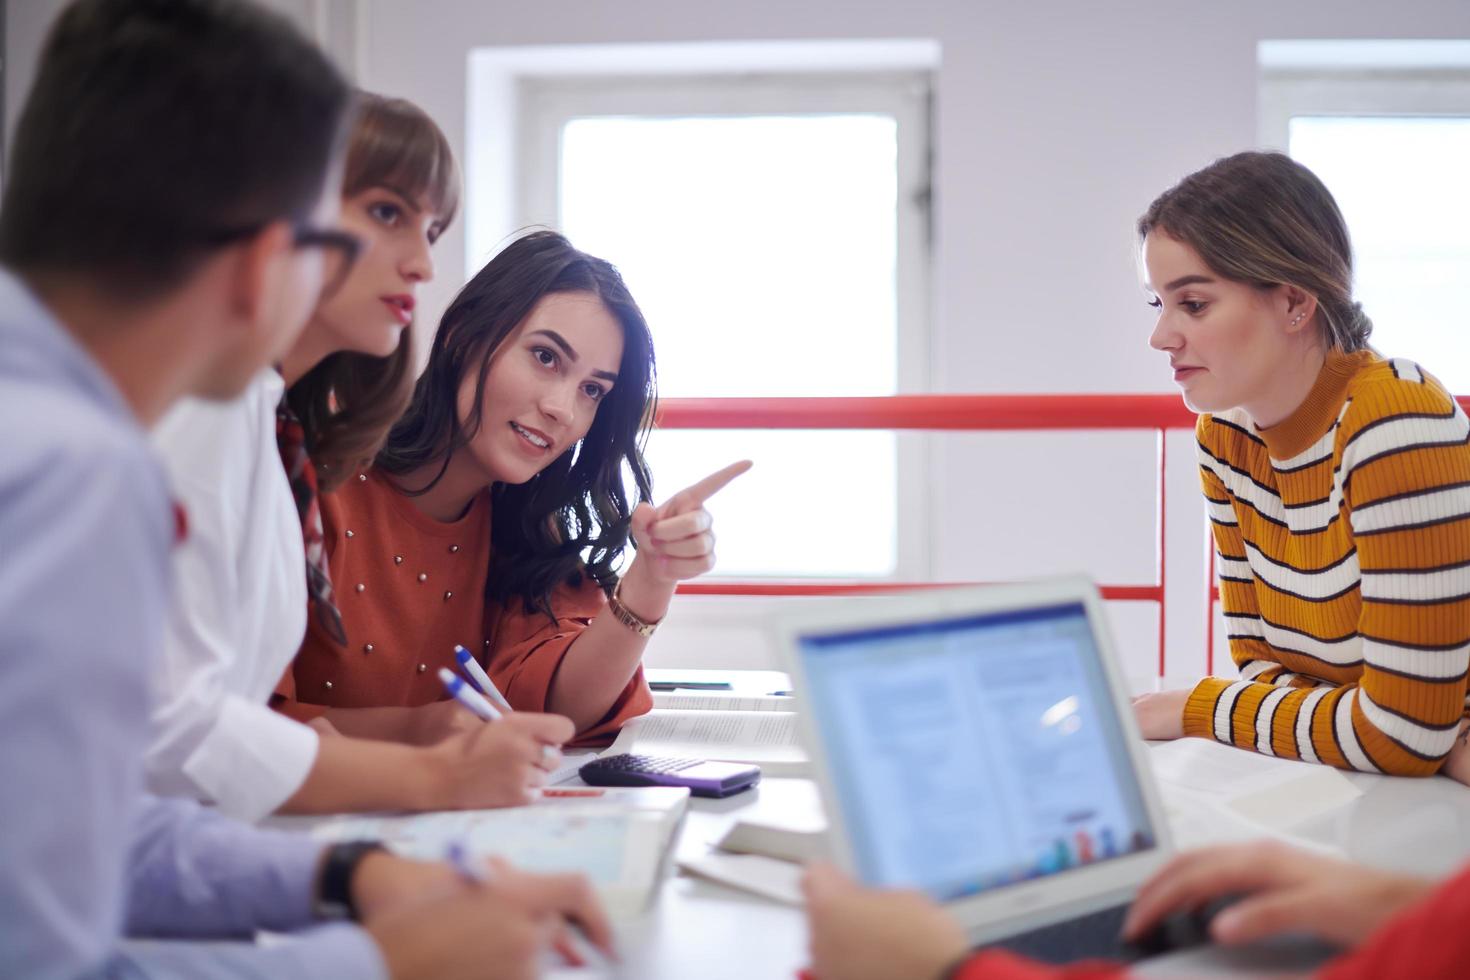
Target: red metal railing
{"points": [[944, 413], [949, 413]]}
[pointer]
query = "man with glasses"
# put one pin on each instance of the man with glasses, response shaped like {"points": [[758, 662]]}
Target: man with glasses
{"points": [[339, 249], [152, 124]]}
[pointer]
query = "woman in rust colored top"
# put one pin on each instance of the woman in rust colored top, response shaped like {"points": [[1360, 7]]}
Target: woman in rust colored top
{"points": [[496, 515]]}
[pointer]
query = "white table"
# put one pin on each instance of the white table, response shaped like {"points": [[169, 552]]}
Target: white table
{"points": [[700, 929]]}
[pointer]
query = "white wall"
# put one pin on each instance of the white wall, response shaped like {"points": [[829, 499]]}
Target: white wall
{"points": [[1057, 122]]}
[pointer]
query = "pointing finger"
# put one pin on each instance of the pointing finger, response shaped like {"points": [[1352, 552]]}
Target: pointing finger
{"points": [[696, 495]]}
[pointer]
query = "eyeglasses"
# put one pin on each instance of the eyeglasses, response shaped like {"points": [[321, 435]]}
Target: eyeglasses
{"points": [[340, 249]]}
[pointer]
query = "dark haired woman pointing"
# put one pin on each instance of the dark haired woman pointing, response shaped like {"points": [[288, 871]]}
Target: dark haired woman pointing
{"points": [[495, 516]]}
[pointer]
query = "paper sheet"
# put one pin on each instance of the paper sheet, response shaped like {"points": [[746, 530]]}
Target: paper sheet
{"points": [[766, 738], [1276, 794], [591, 840], [571, 762], [717, 728], [717, 701]]}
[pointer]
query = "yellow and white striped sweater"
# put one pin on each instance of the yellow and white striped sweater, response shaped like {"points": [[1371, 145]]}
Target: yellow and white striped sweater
{"points": [[1343, 550]]}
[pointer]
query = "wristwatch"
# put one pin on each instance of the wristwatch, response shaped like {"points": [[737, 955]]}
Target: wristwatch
{"points": [[334, 887], [627, 617]]}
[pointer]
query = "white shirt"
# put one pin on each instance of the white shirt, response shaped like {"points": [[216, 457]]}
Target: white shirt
{"points": [[239, 611]]}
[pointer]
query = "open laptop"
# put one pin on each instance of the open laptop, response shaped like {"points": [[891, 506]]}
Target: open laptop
{"points": [[978, 744]]}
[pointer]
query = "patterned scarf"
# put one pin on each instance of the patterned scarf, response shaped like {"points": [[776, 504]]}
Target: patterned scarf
{"points": [[291, 440]]}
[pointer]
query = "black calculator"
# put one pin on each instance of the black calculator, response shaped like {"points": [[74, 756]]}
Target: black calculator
{"points": [[704, 778]]}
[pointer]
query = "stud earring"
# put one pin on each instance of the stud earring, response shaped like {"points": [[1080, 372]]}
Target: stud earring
{"points": [[1297, 319]]}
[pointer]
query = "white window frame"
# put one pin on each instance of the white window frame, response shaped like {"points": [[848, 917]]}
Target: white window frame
{"points": [[1376, 79], [1288, 92], [545, 104]]}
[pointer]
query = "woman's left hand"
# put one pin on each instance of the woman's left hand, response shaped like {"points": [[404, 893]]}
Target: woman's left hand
{"points": [[675, 541], [1457, 763], [1161, 716]]}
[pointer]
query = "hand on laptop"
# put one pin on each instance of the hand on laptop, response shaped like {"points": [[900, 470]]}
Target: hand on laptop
{"points": [[859, 933], [1161, 716], [1284, 889]]}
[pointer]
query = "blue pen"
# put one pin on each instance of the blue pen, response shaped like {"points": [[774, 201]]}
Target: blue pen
{"points": [[471, 666], [467, 695], [457, 856]]}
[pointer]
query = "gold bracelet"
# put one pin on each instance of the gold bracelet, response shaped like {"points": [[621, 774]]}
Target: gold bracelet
{"points": [[627, 617]]}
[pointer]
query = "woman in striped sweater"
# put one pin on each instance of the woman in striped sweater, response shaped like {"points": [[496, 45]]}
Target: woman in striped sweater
{"points": [[1337, 481], [1339, 489]]}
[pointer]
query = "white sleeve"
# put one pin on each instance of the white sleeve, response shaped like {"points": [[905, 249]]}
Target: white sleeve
{"points": [[210, 739]]}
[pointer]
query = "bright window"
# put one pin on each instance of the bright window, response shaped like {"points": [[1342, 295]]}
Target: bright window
{"points": [[1386, 125], [1402, 186], [762, 247], [765, 247]]}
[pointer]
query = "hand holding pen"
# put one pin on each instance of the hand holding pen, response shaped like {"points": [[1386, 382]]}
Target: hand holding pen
{"points": [[467, 696], [566, 903], [480, 706], [480, 679], [465, 919], [502, 762]]}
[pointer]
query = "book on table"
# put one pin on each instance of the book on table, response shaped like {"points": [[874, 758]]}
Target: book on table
{"points": [[722, 701], [766, 737], [787, 838]]}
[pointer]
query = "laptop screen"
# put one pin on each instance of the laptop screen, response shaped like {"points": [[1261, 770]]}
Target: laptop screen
{"points": [[972, 753]]}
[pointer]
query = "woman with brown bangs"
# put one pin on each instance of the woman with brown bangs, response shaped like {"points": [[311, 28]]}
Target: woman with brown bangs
{"points": [[251, 565]]}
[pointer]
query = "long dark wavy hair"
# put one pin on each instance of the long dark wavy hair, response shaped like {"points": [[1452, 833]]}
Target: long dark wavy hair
{"points": [[571, 520], [347, 402]]}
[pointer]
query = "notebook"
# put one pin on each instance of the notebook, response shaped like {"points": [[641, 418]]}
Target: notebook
{"points": [[620, 838], [979, 744]]}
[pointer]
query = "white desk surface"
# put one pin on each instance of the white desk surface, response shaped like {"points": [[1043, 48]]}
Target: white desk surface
{"points": [[700, 929]]}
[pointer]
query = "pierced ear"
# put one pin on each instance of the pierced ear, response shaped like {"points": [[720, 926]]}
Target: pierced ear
{"points": [[257, 267], [1300, 307]]}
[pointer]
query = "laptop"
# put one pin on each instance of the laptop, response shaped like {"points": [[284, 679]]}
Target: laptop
{"points": [[978, 744]]}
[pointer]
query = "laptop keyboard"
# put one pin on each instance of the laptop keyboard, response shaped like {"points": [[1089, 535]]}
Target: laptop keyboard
{"points": [[1091, 936], [1095, 936]]}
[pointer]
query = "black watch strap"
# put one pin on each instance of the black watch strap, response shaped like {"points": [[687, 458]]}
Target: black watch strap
{"points": [[334, 888]]}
